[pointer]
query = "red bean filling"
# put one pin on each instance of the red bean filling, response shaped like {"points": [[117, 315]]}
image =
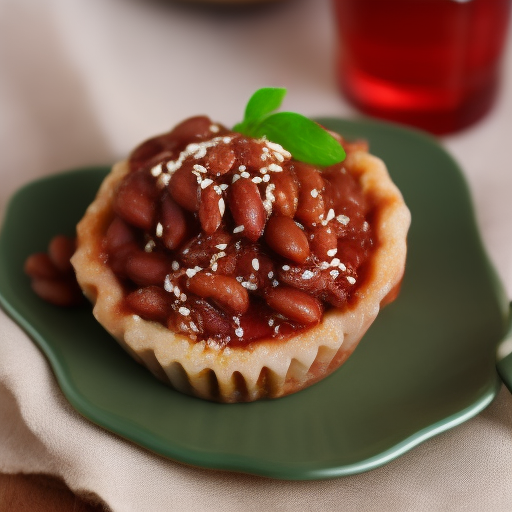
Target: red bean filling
{"points": [[229, 240]]}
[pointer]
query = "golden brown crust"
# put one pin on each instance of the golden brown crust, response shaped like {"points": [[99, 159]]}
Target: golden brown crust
{"points": [[265, 368]]}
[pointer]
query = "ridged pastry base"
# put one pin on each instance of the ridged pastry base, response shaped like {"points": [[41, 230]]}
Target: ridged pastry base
{"points": [[267, 368]]}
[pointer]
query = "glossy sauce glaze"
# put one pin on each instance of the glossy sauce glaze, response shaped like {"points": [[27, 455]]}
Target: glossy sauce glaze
{"points": [[228, 239]]}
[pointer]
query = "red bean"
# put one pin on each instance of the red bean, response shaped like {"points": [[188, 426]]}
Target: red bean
{"points": [[209, 319], [59, 292], [193, 129], [210, 214], [295, 304], [174, 223], [219, 159], [311, 204], [151, 152], [226, 291], [184, 188], [150, 303], [287, 239], [324, 243], [60, 250], [247, 208], [39, 265], [286, 193], [135, 200], [147, 268]]}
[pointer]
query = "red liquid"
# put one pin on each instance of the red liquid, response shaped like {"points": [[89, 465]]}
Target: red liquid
{"points": [[429, 63]]}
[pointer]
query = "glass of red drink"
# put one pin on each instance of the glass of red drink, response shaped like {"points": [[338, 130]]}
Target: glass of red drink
{"points": [[428, 63]]}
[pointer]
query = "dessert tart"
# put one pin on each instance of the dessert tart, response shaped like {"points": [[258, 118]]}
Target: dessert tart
{"points": [[234, 271]]}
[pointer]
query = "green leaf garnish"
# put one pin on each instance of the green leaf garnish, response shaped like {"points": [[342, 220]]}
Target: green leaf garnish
{"points": [[263, 102], [306, 140]]}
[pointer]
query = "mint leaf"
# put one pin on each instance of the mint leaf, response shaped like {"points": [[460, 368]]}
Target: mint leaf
{"points": [[263, 102], [306, 140], [303, 138]]}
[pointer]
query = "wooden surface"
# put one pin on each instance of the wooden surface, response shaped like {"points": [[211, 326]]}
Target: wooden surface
{"points": [[40, 493]]}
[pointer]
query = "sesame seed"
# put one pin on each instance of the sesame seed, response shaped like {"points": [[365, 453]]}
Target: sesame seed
{"points": [[217, 189], [286, 267], [245, 174], [223, 186], [177, 292], [238, 229], [200, 168], [275, 283], [184, 311], [335, 262], [323, 265], [270, 274], [215, 266], [192, 147], [314, 193], [168, 286], [264, 149], [150, 246], [242, 168], [332, 252], [214, 128], [239, 332], [163, 180], [226, 140], [351, 280], [342, 267], [330, 215], [255, 264], [175, 265], [236, 177], [221, 247], [277, 147], [159, 230], [190, 272], [263, 170], [343, 219], [183, 297], [249, 286], [222, 206], [257, 179], [278, 156], [239, 278], [205, 183], [266, 178], [334, 273], [193, 326], [270, 322], [307, 274], [173, 165], [275, 168], [157, 170]]}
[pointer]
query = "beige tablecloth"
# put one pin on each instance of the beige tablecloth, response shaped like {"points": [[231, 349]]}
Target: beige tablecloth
{"points": [[81, 82]]}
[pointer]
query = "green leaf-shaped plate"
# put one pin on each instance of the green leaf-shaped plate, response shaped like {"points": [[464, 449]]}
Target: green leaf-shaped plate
{"points": [[427, 363]]}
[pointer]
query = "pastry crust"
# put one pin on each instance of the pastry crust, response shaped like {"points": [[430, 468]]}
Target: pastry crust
{"points": [[267, 368]]}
